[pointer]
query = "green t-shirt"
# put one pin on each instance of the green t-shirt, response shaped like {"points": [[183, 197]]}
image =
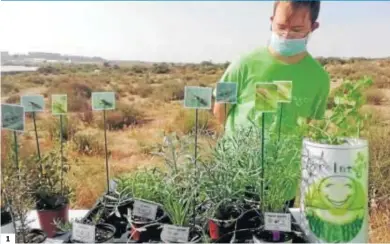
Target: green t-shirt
{"points": [[310, 90]]}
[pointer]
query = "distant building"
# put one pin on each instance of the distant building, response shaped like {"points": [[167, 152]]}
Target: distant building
{"points": [[8, 70]]}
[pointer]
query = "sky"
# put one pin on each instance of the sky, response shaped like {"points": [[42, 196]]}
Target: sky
{"points": [[183, 31]]}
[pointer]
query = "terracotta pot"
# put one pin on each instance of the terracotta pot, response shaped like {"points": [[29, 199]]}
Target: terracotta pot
{"points": [[47, 217]]}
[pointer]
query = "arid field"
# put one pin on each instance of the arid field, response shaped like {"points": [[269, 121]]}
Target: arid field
{"points": [[149, 104]]}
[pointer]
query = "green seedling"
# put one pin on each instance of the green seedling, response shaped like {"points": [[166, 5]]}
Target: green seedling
{"points": [[345, 119]]}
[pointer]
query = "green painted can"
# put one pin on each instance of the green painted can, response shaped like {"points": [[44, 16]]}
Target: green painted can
{"points": [[334, 191]]}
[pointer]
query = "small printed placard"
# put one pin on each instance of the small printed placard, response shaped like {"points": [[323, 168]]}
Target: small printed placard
{"points": [[103, 100], [50, 240], [12, 117], [173, 233], [277, 221], [197, 97], [226, 92], [284, 91], [83, 232], [266, 97], [33, 103], [145, 210], [59, 104], [112, 185], [7, 239]]}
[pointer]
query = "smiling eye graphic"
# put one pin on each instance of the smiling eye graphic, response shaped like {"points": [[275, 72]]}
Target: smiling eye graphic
{"points": [[329, 185]]}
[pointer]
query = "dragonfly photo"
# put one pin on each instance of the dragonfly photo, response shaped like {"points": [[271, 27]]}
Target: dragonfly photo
{"points": [[197, 97], [103, 100], [226, 92], [33, 103]]}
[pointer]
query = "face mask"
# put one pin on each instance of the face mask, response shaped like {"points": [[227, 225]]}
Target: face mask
{"points": [[287, 47]]}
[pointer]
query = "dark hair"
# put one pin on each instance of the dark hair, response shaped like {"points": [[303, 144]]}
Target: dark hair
{"points": [[312, 6]]}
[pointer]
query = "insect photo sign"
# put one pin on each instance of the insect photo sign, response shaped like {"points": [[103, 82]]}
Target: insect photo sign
{"points": [[226, 92], [59, 104], [197, 97], [103, 101], [33, 103], [12, 117]]}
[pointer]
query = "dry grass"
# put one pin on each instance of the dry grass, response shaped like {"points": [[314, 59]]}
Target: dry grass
{"points": [[376, 96]]}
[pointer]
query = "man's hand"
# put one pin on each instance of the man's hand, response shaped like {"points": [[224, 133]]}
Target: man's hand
{"points": [[219, 112]]}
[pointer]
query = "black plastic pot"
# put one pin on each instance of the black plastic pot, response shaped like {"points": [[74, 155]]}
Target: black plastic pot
{"points": [[33, 236], [195, 235], [239, 236], [145, 230], [121, 222], [225, 221], [251, 218], [104, 233], [7, 226], [264, 236]]}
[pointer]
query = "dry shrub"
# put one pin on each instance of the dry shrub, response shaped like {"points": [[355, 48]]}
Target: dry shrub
{"points": [[13, 99], [124, 116], [169, 91], [375, 96], [142, 90], [162, 68], [184, 122], [379, 142], [69, 127], [89, 142]]}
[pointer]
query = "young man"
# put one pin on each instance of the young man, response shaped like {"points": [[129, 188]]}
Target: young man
{"points": [[285, 58]]}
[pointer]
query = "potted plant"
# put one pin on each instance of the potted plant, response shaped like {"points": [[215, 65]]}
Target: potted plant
{"points": [[6, 220], [334, 188], [145, 187], [104, 233], [51, 191], [19, 200], [179, 203]]}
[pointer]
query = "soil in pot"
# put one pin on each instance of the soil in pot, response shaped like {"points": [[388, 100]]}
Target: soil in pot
{"points": [[152, 227], [239, 236], [194, 236], [104, 233], [264, 236], [225, 220], [33, 236]]}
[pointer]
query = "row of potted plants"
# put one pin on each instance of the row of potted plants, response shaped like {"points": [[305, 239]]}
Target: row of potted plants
{"points": [[222, 197]]}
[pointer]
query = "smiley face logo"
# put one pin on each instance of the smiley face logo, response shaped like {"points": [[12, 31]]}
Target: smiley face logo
{"points": [[338, 191]]}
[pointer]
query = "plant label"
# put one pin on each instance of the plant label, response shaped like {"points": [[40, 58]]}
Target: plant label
{"points": [[284, 91], [145, 210], [7, 238], [173, 233], [59, 104], [197, 97], [277, 221], [33, 103], [12, 117], [83, 232], [226, 92], [112, 185], [50, 240], [266, 97], [103, 100]]}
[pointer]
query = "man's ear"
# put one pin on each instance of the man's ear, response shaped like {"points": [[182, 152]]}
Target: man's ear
{"points": [[315, 26]]}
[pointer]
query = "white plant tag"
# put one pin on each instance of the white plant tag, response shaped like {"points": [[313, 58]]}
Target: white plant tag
{"points": [[50, 240], [83, 232], [112, 185], [144, 210], [277, 221], [173, 233]]}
